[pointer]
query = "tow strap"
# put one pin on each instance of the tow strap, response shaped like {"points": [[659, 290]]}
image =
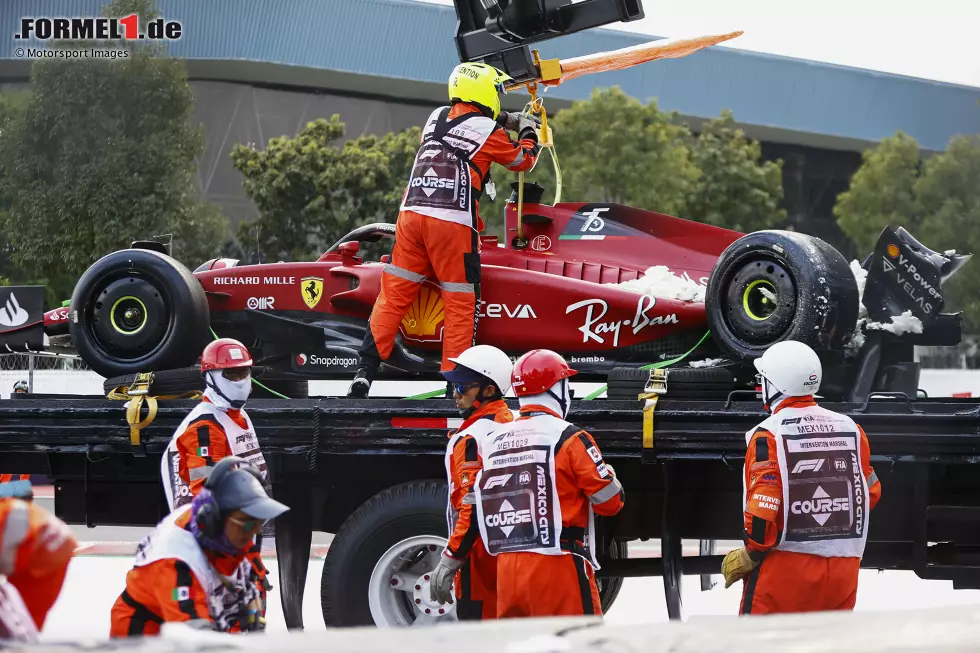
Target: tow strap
{"points": [[653, 366], [137, 394]]}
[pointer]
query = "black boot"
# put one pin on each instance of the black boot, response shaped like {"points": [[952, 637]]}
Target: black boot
{"points": [[361, 384]]}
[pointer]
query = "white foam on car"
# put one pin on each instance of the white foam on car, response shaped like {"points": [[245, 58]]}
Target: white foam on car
{"points": [[853, 346], [708, 362], [900, 324], [659, 281]]}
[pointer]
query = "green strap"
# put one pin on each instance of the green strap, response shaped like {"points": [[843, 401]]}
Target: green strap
{"points": [[431, 394], [653, 366], [254, 381]]}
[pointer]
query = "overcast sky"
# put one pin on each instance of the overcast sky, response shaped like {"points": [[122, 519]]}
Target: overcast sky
{"points": [[932, 39]]}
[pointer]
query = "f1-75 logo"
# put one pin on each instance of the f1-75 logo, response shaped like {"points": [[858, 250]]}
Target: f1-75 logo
{"points": [[593, 222], [810, 465]]}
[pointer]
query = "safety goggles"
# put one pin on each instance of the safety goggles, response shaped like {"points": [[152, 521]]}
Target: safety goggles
{"points": [[249, 525]]}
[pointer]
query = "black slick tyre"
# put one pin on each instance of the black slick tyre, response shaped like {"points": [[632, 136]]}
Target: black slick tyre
{"points": [[138, 310], [770, 286]]}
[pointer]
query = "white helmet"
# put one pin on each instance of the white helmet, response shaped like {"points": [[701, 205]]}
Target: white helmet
{"points": [[791, 368], [487, 361]]}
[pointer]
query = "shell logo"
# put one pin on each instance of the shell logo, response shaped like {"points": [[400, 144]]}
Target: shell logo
{"points": [[425, 316], [893, 250]]}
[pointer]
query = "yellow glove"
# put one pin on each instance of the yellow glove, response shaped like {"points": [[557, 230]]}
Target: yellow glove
{"points": [[737, 565]]}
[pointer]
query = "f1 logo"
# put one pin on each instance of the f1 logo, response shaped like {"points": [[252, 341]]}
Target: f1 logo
{"points": [[497, 481], [812, 465]]}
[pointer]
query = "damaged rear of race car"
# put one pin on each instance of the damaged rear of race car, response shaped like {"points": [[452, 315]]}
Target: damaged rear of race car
{"points": [[902, 306]]}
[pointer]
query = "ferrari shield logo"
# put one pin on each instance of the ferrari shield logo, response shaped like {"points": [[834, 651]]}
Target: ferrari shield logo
{"points": [[312, 289]]}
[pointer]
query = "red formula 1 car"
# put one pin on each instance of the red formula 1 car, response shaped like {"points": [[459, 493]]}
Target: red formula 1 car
{"points": [[575, 281]]}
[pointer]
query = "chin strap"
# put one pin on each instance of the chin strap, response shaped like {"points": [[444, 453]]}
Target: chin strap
{"points": [[770, 401], [563, 400]]}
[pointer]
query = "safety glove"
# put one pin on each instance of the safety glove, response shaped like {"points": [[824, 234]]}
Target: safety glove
{"points": [[441, 585], [737, 565]]}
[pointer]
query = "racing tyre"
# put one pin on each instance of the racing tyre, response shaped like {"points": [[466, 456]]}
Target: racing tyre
{"points": [[770, 286], [189, 379], [397, 534], [165, 382], [138, 310]]}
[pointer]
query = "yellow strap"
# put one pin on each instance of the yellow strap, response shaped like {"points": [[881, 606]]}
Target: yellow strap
{"points": [[133, 416], [648, 408]]}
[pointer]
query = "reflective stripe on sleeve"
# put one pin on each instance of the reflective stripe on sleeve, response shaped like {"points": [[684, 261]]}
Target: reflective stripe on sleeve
{"points": [[197, 473], [607, 493], [14, 532]]}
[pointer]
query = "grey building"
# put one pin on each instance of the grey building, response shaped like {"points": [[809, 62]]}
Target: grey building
{"points": [[264, 68]]}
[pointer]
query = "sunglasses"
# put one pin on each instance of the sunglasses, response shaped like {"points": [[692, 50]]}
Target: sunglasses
{"points": [[462, 388], [249, 525]]}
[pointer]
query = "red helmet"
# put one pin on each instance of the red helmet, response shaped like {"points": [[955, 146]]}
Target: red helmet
{"points": [[537, 370], [225, 354]]}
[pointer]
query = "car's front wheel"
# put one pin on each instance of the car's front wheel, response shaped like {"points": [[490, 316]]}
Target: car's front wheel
{"points": [[138, 310]]}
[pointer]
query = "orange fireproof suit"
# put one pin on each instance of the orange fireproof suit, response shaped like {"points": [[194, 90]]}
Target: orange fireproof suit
{"points": [[476, 580], [166, 590], [449, 251], [535, 585], [35, 550], [786, 581], [201, 446]]}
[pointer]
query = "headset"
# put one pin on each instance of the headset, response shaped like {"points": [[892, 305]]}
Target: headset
{"points": [[209, 519]]}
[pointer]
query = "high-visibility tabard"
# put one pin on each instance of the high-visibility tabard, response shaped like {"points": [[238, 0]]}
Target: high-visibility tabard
{"points": [[517, 498], [825, 510]]}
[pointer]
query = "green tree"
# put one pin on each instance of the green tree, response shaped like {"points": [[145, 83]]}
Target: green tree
{"points": [[613, 148], [937, 200], [736, 189], [312, 189], [881, 192], [102, 154], [948, 197]]}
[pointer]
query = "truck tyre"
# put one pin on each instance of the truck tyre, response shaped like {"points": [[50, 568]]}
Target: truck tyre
{"points": [[770, 286], [137, 310], [407, 520], [609, 588]]}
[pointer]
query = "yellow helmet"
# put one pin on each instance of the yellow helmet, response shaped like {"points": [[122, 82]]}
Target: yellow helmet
{"points": [[478, 83]]}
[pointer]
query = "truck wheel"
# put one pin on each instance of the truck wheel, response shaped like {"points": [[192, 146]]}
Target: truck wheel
{"points": [[377, 565], [773, 285], [138, 310], [609, 587]]}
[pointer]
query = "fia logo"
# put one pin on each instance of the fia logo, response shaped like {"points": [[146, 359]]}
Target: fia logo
{"points": [[524, 478]]}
